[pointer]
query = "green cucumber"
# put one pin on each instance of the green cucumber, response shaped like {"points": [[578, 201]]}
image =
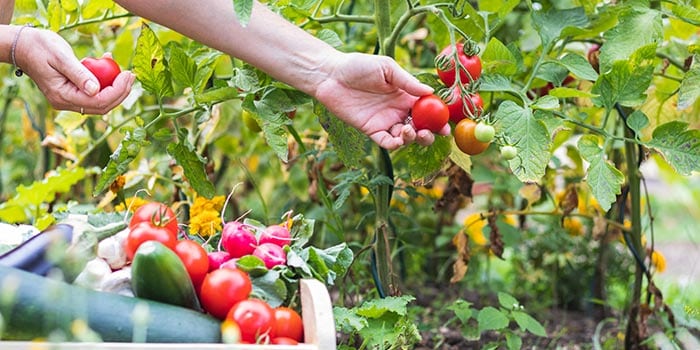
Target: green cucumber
{"points": [[157, 273], [33, 307]]}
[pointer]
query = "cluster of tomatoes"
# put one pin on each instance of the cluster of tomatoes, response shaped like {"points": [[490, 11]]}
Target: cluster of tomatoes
{"points": [[224, 289]]}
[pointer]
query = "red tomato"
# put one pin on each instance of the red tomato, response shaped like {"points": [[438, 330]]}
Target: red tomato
{"points": [[283, 341], [456, 105], [465, 138], [223, 288], [157, 215], [195, 259], [469, 70], [255, 318], [288, 324], [145, 232], [429, 112], [104, 69]]}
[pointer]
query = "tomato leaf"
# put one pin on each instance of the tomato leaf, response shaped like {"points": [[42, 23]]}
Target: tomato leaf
{"points": [[496, 83], [192, 164], [498, 59], [244, 9], [687, 13], [679, 145], [637, 121], [637, 27], [490, 318], [528, 323], [424, 161], [349, 143], [689, 91], [579, 66], [149, 64], [602, 177], [529, 135], [550, 23], [182, 66], [627, 81], [119, 161]]}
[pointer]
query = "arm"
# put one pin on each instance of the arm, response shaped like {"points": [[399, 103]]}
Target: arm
{"points": [[370, 93]]}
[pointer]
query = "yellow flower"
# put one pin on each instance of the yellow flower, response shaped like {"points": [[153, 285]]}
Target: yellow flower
{"points": [[132, 204], [474, 227], [205, 215], [573, 226], [658, 261]]}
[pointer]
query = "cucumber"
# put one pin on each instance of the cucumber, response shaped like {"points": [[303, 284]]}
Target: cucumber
{"points": [[157, 273], [34, 307]]}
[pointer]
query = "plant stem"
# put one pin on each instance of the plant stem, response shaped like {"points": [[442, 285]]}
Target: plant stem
{"points": [[104, 18], [382, 20]]}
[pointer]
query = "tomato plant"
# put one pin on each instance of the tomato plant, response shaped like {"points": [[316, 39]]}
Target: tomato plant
{"points": [[255, 318], [105, 69], [195, 259], [288, 324], [223, 288], [484, 132], [155, 214], [144, 232], [429, 112], [465, 138], [509, 152], [461, 107], [469, 66]]}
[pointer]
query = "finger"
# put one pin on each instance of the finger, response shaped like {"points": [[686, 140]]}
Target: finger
{"points": [[407, 82], [408, 133], [445, 130], [425, 137], [106, 100], [78, 74], [385, 140]]}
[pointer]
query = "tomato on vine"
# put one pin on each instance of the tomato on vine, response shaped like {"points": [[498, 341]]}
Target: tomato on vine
{"points": [[509, 152], [155, 214], [429, 112], [461, 108], [469, 71], [484, 132], [465, 138]]}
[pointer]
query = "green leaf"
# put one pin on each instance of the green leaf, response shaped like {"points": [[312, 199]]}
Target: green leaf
{"points": [[462, 310], [55, 15], [507, 301], [496, 83], [550, 23], [513, 341], [689, 91], [490, 318], [579, 66], [565, 92], [149, 64], [638, 27], [96, 8], [546, 102], [192, 164], [679, 145], [182, 66], [348, 142], [270, 288], [347, 321], [330, 37], [376, 308], [529, 135], [217, 95], [70, 121], [119, 161], [637, 121], [252, 265], [498, 59], [423, 161], [244, 9], [460, 158], [70, 5], [603, 178], [627, 81], [686, 13], [528, 323]]}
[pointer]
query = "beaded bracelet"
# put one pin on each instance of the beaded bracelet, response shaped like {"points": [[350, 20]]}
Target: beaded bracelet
{"points": [[18, 71]]}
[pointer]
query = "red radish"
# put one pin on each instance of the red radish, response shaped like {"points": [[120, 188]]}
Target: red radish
{"points": [[237, 239], [230, 264], [217, 258], [271, 254], [277, 234]]}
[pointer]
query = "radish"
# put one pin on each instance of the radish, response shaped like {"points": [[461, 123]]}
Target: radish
{"points": [[237, 239], [271, 254], [277, 234], [216, 259]]}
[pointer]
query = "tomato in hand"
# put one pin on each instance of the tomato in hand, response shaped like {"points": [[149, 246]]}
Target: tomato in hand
{"points": [[157, 215], [456, 105], [466, 140], [288, 324], [105, 69], [195, 259], [429, 112], [144, 232], [223, 288], [255, 318], [469, 71]]}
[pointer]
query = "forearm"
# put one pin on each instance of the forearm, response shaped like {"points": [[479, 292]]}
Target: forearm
{"points": [[269, 42], [7, 7]]}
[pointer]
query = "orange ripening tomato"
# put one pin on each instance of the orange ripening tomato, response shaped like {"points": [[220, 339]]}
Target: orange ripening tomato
{"points": [[466, 140]]}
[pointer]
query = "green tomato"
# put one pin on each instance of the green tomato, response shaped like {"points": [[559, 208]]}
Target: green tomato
{"points": [[509, 152], [484, 132]]}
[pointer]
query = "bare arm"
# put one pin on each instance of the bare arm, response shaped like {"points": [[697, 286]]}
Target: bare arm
{"points": [[7, 7], [370, 93]]}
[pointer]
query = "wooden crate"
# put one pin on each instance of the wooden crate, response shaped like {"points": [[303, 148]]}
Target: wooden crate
{"points": [[316, 312]]}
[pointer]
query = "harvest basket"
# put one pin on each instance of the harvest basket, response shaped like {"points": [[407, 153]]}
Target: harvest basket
{"points": [[317, 315]]}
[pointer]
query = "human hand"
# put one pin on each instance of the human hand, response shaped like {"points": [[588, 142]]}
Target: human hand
{"points": [[49, 60], [374, 94]]}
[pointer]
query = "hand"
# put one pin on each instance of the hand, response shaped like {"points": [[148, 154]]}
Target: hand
{"points": [[375, 95], [49, 60]]}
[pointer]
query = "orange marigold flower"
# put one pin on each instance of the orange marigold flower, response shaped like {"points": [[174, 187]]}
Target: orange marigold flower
{"points": [[573, 226], [474, 228], [658, 261], [132, 204], [205, 217]]}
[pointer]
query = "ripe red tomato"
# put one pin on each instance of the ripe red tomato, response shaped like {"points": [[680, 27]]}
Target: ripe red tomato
{"points": [[145, 232], [429, 112], [466, 140], [223, 288], [456, 105], [283, 341], [469, 71], [195, 259], [255, 318], [157, 215], [288, 324], [104, 69]]}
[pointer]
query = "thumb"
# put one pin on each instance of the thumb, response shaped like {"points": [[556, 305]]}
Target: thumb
{"points": [[79, 75]]}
